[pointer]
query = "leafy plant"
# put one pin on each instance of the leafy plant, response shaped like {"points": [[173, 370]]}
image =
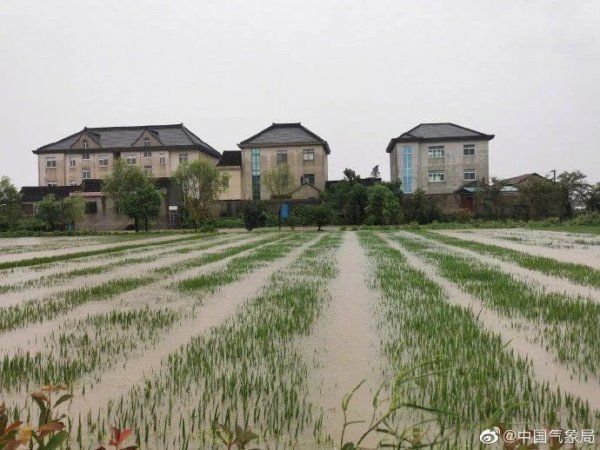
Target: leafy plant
{"points": [[119, 436], [238, 438]]}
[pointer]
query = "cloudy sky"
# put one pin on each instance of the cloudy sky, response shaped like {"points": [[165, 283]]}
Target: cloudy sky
{"points": [[355, 72]]}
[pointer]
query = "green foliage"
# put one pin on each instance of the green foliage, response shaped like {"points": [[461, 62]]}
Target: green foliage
{"points": [[544, 198], [356, 204], [48, 211], [422, 209], [254, 216], [573, 184], [73, 210], [200, 183], [279, 181], [10, 205], [133, 193], [383, 207], [318, 215], [593, 201]]}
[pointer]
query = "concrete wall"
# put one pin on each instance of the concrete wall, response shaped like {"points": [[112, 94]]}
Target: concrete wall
{"points": [[234, 190], [454, 163], [298, 167]]}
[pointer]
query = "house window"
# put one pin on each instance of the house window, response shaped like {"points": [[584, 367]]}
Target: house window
{"points": [[308, 178], [73, 183], [255, 160], [437, 176], [86, 155], [435, 151], [281, 156], [147, 153], [91, 207], [52, 183], [183, 158], [162, 159], [470, 175], [146, 142], [407, 180], [51, 162], [469, 149], [72, 162], [84, 144], [103, 160], [131, 160], [148, 170], [309, 154], [86, 174]]}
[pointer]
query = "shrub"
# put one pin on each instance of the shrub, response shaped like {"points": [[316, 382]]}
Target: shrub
{"points": [[254, 216], [591, 219]]}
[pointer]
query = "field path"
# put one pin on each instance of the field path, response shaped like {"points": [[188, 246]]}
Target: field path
{"points": [[543, 364], [216, 308], [546, 282], [577, 256], [86, 248], [345, 344]]}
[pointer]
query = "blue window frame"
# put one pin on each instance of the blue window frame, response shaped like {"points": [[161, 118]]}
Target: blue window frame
{"points": [[255, 159], [407, 180]]}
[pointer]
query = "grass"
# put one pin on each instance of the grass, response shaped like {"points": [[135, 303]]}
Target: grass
{"points": [[578, 273], [475, 377], [567, 326]]}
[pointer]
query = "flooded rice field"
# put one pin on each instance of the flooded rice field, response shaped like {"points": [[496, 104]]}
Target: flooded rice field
{"points": [[305, 340]]}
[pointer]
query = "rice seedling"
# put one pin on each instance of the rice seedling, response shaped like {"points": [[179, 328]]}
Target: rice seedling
{"points": [[478, 378], [578, 273], [566, 325], [247, 371], [37, 310]]}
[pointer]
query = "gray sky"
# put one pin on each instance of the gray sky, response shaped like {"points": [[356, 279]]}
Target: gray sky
{"points": [[355, 72]]}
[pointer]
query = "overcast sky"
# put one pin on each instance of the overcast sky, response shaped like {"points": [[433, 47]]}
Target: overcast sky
{"points": [[355, 72]]}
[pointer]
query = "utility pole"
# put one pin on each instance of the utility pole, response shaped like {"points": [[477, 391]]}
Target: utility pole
{"points": [[554, 175]]}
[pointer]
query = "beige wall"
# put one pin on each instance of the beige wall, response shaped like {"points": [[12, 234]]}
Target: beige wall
{"points": [[234, 191], [298, 167], [64, 175], [454, 163]]}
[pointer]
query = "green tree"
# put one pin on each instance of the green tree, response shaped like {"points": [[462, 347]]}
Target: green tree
{"points": [[544, 198], [356, 203], [200, 183], [422, 209], [49, 211], [133, 193], [279, 181], [575, 187], [383, 207], [254, 216], [318, 215], [10, 205], [593, 200], [72, 210]]}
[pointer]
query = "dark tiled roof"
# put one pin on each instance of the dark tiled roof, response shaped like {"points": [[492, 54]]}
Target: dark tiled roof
{"points": [[432, 132], [176, 135], [230, 158], [521, 178], [31, 194], [285, 134]]}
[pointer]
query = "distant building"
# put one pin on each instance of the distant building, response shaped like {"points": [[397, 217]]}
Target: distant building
{"points": [[281, 143], [439, 158], [91, 152]]}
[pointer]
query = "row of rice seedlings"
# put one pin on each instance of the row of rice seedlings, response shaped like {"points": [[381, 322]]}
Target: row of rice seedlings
{"points": [[84, 347], [39, 310], [475, 379], [236, 268], [578, 273], [61, 277], [567, 326], [247, 371], [27, 262]]}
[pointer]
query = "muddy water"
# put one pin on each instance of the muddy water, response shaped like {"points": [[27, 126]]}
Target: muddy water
{"points": [[132, 270], [345, 345], [32, 253], [215, 309], [541, 281], [544, 366], [31, 338], [586, 256]]}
